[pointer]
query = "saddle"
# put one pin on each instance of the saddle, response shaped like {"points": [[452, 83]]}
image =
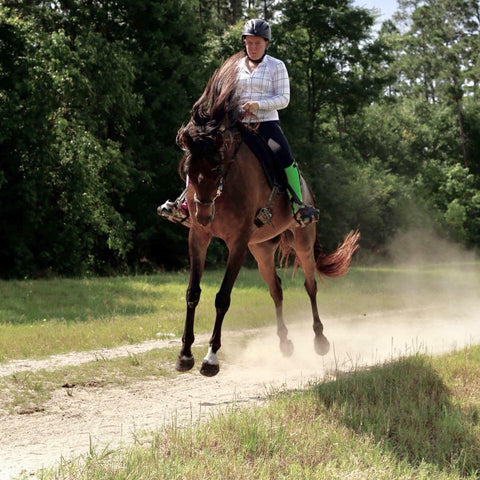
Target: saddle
{"points": [[275, 175]]}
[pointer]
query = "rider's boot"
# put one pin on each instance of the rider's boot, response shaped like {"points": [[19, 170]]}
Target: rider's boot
{"points": [[303, 214], [176, 211]]}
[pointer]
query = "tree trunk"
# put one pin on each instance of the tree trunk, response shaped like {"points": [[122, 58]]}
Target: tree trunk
{"points": [[463, 140], [311, 93], [339, 124]]}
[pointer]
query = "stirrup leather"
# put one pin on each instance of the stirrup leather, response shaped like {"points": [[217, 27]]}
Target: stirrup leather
{"points": [[264, 214]]}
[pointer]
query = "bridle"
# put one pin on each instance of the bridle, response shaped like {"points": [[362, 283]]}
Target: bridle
{"points": [[223, 172], [217, 194], [211, 203]]}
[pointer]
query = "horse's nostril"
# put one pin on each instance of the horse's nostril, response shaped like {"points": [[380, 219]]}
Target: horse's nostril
{"points": [[204, 214]]}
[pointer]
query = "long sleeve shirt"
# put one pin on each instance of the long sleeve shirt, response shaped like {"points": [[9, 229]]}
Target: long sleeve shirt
{"points": [[268, 85]]}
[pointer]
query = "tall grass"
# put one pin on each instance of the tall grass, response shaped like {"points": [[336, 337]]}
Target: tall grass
{"points": [[403, 420]]}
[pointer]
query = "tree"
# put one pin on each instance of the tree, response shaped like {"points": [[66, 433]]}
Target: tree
{"points": [[95, 92], [333, 61], [440, 53], [65, 175]]}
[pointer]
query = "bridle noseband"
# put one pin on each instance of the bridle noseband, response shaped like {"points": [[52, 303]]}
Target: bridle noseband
{"points": [[217, 194]]}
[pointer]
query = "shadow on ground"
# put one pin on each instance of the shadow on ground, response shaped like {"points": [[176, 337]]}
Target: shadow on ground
{"points": [[407, 407]]}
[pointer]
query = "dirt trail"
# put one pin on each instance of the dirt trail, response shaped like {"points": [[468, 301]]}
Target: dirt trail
{"points": [[112, 416], [77, 358]]}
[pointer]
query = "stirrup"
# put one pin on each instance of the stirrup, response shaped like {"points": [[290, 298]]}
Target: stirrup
{"points": [[174, 211], [306, 215]]}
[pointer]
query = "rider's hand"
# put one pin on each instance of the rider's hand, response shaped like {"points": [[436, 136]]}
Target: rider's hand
{"points": [[250, 107]]}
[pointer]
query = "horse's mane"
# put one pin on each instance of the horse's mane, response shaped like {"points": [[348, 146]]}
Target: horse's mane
{"points": [[215, 111]]}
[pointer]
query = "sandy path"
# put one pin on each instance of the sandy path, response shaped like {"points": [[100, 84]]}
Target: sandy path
{"points": [[112, 415], [77, 358]]}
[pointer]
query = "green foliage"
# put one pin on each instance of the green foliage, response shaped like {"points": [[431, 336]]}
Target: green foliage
{"points": [[359, 195], [92, 95], [90, 107], [333, 62], [73, 174], [456, 198], [471, 117]]}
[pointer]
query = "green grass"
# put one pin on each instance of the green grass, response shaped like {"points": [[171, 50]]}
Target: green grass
{"points": [[408, 419], [44, 317]]}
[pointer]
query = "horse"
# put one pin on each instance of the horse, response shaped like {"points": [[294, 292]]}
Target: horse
{"points": [[227, 187]]}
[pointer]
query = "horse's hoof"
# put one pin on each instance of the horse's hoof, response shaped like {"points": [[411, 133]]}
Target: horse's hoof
{"points": [[322, 345], [209, 370], [184, 364], [287, 348]]}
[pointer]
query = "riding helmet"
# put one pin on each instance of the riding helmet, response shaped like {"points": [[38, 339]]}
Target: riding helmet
{"points": [[257, 28]]}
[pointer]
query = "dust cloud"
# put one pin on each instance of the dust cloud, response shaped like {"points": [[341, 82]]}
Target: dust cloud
{"points": [[355, 343], [434, 287]]}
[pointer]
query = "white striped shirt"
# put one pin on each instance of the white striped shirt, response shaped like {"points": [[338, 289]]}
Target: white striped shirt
{"points": [[268, 85]]}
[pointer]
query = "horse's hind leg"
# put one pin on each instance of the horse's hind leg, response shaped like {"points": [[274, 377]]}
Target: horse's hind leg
{"points": [[264, 254], [304, 241], [197, 247]]}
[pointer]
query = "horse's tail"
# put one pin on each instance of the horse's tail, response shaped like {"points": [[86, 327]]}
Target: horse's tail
{"points": [[336, 264]]}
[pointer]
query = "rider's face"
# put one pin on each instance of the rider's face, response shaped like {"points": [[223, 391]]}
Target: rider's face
{"points": [[255, 46]]}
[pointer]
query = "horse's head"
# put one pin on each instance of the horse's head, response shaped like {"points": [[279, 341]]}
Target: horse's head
{"points": [[208, 155]]}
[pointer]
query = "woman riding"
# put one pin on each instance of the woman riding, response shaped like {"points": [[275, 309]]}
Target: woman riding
{"points": [[264, 88]]}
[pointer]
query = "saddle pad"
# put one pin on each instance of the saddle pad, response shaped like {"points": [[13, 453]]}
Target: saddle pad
{"points": [[259, 147]]}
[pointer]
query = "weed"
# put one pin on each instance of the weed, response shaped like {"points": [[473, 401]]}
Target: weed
{"points": [[135, 360]]}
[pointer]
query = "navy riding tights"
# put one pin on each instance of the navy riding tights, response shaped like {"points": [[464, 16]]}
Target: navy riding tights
{"points": [[272, 132]]}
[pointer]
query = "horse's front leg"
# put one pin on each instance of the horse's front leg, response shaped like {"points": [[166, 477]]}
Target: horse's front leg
{"points": [[211, 365], [198, 242]]}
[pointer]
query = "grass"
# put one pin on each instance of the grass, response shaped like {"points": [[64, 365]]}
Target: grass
{"points": [[411, 418], [44, 317]]}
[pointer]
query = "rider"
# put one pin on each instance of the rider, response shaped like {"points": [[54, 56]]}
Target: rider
{"points": [[264, 89]]}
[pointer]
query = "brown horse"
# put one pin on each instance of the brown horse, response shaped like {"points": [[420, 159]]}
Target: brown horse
{"points": [[227, 188]]}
